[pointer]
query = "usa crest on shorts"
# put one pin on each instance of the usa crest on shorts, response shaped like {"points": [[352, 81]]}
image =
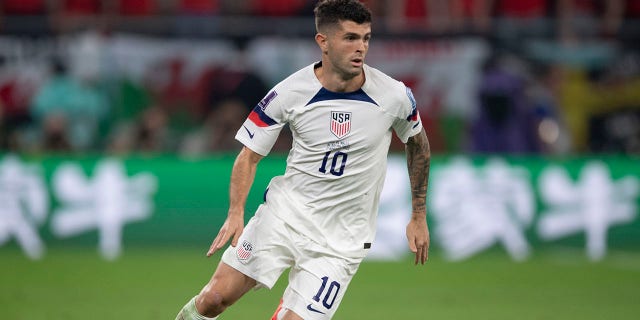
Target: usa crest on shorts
{"points": [[340, 123], [244, 251]]}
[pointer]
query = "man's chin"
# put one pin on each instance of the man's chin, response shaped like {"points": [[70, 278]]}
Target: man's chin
{"points": [[355, 71]]}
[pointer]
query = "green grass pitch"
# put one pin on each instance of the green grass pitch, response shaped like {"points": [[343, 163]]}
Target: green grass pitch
{"points": [[154, 283]]}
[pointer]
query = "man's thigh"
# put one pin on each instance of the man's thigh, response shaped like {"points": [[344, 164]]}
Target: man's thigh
{"points": [[264, 249]]}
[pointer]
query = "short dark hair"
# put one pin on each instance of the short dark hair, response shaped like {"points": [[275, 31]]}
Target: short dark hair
{"points": [[331, 12]]}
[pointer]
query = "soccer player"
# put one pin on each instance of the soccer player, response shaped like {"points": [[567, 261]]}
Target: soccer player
{"points": [[318, 219]]}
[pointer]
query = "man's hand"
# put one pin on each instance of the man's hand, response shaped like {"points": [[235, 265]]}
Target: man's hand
{"points": [[232, 227], [418, 163], [418, 237], [242, 175]]}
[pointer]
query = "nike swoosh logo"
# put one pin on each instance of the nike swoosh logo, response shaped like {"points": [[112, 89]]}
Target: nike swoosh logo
{"points": [[311, 308], [251, 134]]}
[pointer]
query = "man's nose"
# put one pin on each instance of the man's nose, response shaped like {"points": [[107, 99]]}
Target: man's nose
{"points": [[362, 46]]}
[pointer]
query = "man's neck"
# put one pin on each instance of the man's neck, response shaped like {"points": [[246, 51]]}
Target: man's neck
{"points": [[333, 81]]}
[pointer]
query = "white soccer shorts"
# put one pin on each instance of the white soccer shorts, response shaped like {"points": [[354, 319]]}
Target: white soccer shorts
{"points": [[268, 246]]}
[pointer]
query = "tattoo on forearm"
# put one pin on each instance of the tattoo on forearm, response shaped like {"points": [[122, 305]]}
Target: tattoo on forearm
{"points": [[418, 163]]}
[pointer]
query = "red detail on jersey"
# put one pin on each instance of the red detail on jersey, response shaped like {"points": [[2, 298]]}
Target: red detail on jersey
{"points": [[415, 116], [255, 118]]}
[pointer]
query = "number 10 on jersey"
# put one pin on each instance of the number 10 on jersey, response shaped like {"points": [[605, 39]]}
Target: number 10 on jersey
{"points": [[338, 162]]}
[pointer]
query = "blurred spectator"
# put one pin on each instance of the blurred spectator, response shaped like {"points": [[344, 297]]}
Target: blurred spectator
{"points": [[5, 139], [632, 9], [24, 7], [136, 8], [198, 7], [472, 16], [74, 15], [520, 9], [55, 135], [506, 122], [544, 94], [229, 93], [588, 18], [31, 14], [630, 27], [616, 132], [81, 7], [130, 101], [602, 106], [517, 18], [69, 111], [136, 16], [195, 17], [377, 7], [150, 134], [236, 81], [438, 17], [235, 7], [16, 90], [595, 98], [218, 131], [278, 8], [408, 16], [169, 84]]}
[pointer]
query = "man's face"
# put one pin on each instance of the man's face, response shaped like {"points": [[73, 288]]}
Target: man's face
{"points": [[346, 47]]}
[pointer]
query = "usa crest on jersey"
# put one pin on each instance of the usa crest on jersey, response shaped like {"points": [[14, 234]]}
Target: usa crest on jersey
{"points": [[340, 123]]}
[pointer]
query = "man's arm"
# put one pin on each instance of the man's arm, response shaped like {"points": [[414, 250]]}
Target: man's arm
{"points": [[242, 176], [418, 162]]}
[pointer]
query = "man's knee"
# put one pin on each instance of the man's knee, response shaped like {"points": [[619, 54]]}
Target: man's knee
{"points": [[210, 302], [225, 287]]}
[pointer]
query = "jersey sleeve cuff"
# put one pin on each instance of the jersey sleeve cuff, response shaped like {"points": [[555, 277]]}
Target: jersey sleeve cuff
{"points": [[247, 142]]}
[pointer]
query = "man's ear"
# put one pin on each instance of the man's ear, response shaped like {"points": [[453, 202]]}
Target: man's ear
{"points": [[321, 40]]}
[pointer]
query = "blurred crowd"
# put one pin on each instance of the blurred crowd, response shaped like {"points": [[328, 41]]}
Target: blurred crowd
{"points": [[522, 105], [570, 17]]}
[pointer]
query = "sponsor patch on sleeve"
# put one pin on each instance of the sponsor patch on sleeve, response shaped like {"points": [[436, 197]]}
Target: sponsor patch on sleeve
{"points": [[264, 103]]}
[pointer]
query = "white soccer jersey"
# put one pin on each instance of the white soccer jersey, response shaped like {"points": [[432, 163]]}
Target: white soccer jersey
{"points": [[337, 164]]}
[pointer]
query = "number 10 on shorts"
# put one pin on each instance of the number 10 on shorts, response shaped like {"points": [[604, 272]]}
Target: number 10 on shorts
{"points": [[328, 294]]}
